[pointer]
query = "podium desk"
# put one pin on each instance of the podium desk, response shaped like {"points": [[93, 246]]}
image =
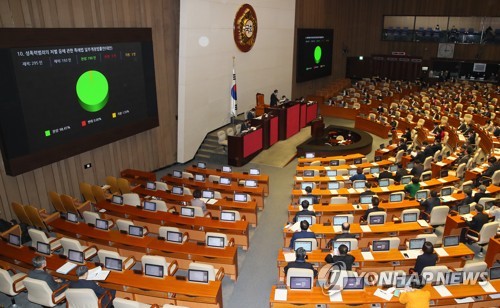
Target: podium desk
{"points": [[138, 287], [262, 179], [289, 119], [257, 193], [311, 111], [391, 260], [128, 246], [376, 128], [244, 147], [195, 226], [249, 209], [493, 252], [269, 126], [324, 233]]}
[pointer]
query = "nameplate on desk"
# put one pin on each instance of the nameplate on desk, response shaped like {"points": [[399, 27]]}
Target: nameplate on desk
{"points": [[299, 178], [440, 163], [334, 192], [441, 252], [442, 180], [443, 291], [353, 166], [384, 189], [422, 223], [366, 228], [374, 164], [280, 294], [351, 190], [367, 255], [328, 168], [332, 178]]}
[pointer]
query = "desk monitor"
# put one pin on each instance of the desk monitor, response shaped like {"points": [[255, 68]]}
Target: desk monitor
{"points": [[149, 206], [72, 216], [75, 256], [300, 283], [102, 224], [359, 185], [215, 241], [308, 173], [151, 185], [383, 182], [440, 158], [309, 199], [367, 199], [177, 174], [444, 173], [199, 276], [416, 243], [376, 220], [113, 264], [43, 248], [227, 169], [421, 195], [453, 240], [426, 177], [410, 217], [227, 216], [354, 283], [303, 185], [240, 197], [187, 211], [466, 186], [447, 191], [14, 239], [199, 177], [250, 183], [410, 165], [201, 165], [310, 155], [395, 198], [224, 181], [307, 245], [494, 273], [254, 171], [208, 194], [393, 168], [116, 200], [378, 158], [352, 172], [464, 209], [331, 173], [375, 170], [177, 190], [153, 270], [334, 162], [307, 218], [339, 220], [382, 146], [381, 245], [336, 245], [333, 185], [358, 161], [174, 237], [405, 180], [136, 231]]}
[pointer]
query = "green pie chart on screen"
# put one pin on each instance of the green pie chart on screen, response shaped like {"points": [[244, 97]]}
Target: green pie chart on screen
{"points": [[92, 90], [317, 54]]}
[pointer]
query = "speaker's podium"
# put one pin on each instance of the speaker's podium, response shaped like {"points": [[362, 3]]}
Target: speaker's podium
{"points": [[244, 147], [260, 106], [288, 119], [269, 123]]}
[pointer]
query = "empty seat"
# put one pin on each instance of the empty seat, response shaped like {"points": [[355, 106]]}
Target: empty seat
{"points": [[212, 275], [169, 269], [40, 236], [132, 199], [11, 285], [85, 298], [88, 251], [127, 262], [40, 293]]}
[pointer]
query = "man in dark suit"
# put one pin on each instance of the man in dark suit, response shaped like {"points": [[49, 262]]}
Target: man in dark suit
{"points": [[309, 193], [494, 165], [83, 283], [300, 262], [303, 233], [274, 99], [427, 150], [304, 211], [359, 176], [375, 208], [402, 145], [417, 169], [345, 234], [39, 273], [385, 174], [419, 156], [343, 256], [479, 219], [400, 173], [431, 202], [468, 155], [368, 191], [481, 193]]}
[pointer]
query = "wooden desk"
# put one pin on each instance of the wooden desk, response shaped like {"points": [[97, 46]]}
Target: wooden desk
{"points": [[325, 233], [300, 169], [388, 151], [138, 287], [376, 128], [262, 179], [257, 193], [243, 148], [195, 226], [383, 261], [135, 176], [302, 161], [339, 112], [493, 252], [249, 209]]}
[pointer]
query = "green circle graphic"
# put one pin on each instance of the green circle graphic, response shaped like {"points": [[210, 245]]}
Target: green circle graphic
{"points": [[92, 90], [317, 54]]}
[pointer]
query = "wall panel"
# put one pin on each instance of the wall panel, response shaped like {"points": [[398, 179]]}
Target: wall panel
{"points": [[148, 150]]}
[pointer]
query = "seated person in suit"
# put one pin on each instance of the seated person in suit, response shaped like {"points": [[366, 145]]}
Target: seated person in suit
{"points": [[479, 219], [428, 258], [465, 158], [300, 262], [418, 155], [375, 208], [83, 283], [368, 191], [431, 202], [417, 169], [309, 193], [39, 262], [385, 174], [197, 202], [494, 165], [303, 233], [343, 257], [358, 176], [345, 234], [468, 197], [304, 211], [413, 187], [246, 125], [402, 145], [400, 173], [482, 193]]}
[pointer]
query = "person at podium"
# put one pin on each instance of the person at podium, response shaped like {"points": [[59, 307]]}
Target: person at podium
{"points": [[274, 99]]}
